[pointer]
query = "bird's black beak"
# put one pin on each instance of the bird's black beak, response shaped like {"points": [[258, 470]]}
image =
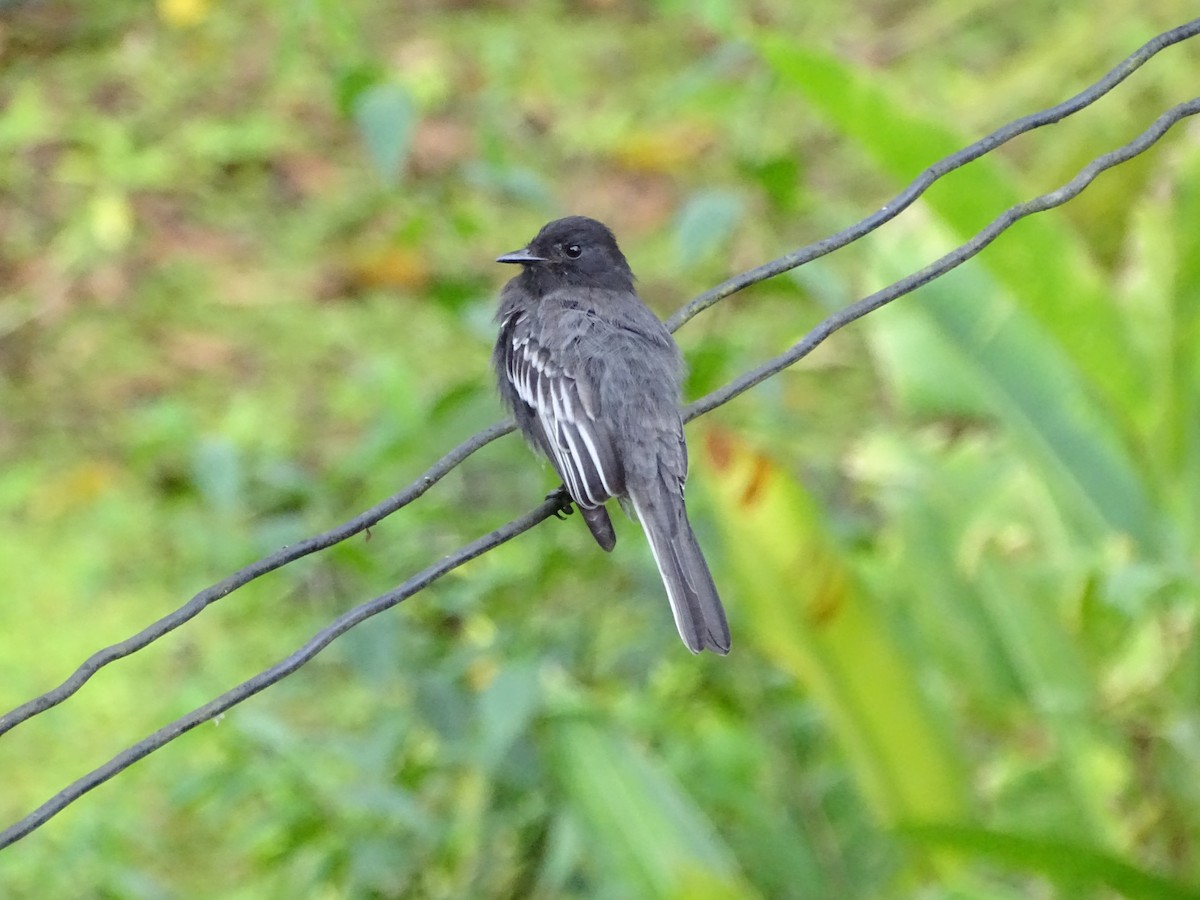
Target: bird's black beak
{"points": [[520, 256]]}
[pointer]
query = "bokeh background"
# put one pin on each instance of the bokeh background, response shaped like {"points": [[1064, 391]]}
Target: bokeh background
{"points": [[246, 288]]}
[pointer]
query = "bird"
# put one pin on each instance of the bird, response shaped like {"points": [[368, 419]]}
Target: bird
{"points": [[593, 380]]}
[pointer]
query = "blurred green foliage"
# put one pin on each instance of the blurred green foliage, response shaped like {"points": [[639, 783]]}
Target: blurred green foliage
{"points": [[245, 292]]}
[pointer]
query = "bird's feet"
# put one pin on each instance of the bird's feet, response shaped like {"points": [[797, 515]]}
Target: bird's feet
{"points": [[563, 499]]}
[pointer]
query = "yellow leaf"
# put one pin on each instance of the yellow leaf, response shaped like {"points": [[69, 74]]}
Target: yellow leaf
{"points": [[183, 13], [72, 489], [801, 603], [390, 267], [663, 151], [111, 220]]}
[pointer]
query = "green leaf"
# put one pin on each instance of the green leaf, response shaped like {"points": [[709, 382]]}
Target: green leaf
{"points": [[516, 182], [505, 710], [386, 119], [352, 83], [657, 841], [704, 224], [1041, 261], [995, 357], [218, 475], [1067, 864], [1159, 290]]}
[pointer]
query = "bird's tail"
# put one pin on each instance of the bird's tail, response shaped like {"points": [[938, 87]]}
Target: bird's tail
{"points": [[600, 525], [695, 604]]}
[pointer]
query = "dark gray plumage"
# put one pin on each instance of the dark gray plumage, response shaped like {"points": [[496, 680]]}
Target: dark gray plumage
{"points": [[592, 377]]}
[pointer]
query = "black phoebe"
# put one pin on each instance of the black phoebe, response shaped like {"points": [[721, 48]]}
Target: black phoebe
{"points": [[592, 377]]}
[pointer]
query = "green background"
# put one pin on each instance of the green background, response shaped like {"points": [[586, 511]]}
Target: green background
{"points": [[246, 288]]}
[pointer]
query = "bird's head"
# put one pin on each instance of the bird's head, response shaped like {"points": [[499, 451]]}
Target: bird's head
{"points": [[574, 251]]}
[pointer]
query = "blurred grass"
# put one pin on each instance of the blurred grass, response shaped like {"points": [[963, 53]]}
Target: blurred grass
{"points": [[246, 292]]}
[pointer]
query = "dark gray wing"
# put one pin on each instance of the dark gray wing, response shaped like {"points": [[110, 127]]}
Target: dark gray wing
{"points": [[565, 409]]}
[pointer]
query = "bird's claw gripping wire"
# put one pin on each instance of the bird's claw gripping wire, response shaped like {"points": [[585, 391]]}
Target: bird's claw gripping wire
{"points": [[560, 495]]}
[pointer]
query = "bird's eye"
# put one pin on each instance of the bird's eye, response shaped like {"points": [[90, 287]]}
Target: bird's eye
{"points": [[573, 250]]}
